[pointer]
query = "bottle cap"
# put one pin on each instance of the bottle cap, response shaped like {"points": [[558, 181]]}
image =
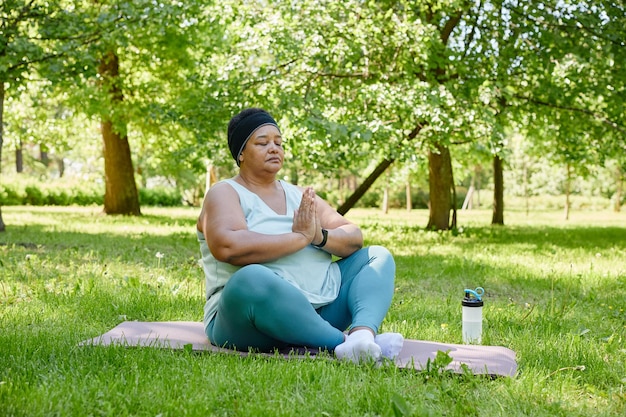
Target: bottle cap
{"points": [[473, 298]]}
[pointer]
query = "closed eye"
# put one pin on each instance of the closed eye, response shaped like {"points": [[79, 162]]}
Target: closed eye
{"points": [[279, 144]]}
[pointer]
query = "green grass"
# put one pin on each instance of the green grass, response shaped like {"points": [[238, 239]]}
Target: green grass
{"points": [[555, 293]]}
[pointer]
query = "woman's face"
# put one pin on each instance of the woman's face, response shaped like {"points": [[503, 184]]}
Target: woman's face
{"points": [[264, 149]]}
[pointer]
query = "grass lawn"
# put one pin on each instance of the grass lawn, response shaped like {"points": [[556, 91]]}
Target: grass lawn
{"points": [[555, 294]]}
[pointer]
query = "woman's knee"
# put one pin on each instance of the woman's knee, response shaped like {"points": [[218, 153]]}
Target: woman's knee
{"points": [[251, 281], [381, 256], [381, 252], [373, 261]]}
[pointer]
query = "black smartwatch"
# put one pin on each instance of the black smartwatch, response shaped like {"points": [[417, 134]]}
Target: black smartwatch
{"points": [[324, 239]]}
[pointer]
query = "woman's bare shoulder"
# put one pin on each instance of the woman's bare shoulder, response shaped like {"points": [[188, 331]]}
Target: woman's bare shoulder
{"points": [[220, 202], [220, 189], [219, 195]]}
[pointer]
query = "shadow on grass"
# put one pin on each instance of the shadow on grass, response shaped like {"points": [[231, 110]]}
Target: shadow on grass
{"points": [[567, 238], [41, 239], [536, 236], [503, 280]]}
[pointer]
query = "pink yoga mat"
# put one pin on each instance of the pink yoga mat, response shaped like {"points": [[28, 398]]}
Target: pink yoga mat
{"points": [[415, 354]]}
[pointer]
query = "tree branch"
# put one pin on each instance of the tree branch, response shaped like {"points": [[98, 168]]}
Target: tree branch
{"points": [[595, 115], [573, 29]]}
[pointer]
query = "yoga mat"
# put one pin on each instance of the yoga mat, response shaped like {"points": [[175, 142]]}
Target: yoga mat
{"points": [[415, 354]]}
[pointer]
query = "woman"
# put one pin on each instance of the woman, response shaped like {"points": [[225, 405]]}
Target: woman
{"points": [[267, 249]]}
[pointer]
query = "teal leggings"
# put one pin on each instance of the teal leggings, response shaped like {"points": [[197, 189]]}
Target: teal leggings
{"points": [[259, 310]]}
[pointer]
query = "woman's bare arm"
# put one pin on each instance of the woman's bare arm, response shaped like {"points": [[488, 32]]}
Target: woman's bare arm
{"points": [[223, 224], [344, 237]]}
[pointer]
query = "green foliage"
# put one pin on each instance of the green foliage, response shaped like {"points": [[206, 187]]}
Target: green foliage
{"points": [[62, 192], [24, 30], [33, 196], [10, 197], [28, 191], [160, 197], [348, 82]]}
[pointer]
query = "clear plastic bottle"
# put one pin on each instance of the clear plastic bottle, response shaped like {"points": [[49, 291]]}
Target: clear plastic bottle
{"points": [[473, 316]]}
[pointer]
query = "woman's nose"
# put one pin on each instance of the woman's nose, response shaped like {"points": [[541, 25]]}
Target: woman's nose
{"points": [[275, 147]]}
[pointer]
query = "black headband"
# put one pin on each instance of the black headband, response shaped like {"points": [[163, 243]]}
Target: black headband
{"points": [[244, 130]]}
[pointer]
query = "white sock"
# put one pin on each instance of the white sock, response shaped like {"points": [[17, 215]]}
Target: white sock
{"points": [[390, 344], [359, 346]]}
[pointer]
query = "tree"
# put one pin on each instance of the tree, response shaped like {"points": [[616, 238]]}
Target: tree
{"points": [[30, 34], [120, 195], [2, 94], [147, 71], [574, 115], [362, 85], [371, 80], [422, 77], [139, 79], [41, 118], [440, 178]]}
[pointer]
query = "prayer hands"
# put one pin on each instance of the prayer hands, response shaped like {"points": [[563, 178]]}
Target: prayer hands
{"points": [[305, 219]]}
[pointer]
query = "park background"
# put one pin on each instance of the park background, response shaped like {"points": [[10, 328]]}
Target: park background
{"points": [[382, 104], [113, 120]]}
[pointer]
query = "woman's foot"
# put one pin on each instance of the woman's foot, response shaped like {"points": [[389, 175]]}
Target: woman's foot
{"points": [[359, 346], [390, 344]]}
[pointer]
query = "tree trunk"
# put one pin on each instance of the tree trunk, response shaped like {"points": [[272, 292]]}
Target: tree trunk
{"points": [[498, 192], [469, 197], [386, 200], [211, 177], [61, 166], [439, 185], [525, 188], [453, 193], [44, 158], [365, 185], [2, 226], [468, 203], [409, 202], [120, 195], [378, 171], [567, 192], [617, 204], [19, 157], [386, 195], [477, 178]]}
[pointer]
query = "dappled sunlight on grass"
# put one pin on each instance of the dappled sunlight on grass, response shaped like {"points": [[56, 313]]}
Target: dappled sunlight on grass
{"points": [[482, 217], [154, 221], [555, 294]]}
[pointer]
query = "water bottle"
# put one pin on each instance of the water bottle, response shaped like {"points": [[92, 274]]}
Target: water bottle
{"points": [[473, 316]]}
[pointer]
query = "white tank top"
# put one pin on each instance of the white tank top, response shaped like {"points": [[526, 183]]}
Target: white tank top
{"points": [[311, 270]]}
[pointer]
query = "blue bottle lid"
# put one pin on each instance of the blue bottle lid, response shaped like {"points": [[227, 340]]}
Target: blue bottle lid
{"points": [[473, 298]]}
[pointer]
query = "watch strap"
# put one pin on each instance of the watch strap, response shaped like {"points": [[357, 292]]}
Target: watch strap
{"points": [[324, 239]]}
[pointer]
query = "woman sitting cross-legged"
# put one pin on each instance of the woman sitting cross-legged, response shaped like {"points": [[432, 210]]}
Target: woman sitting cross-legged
{"points": [[267, 246]]}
